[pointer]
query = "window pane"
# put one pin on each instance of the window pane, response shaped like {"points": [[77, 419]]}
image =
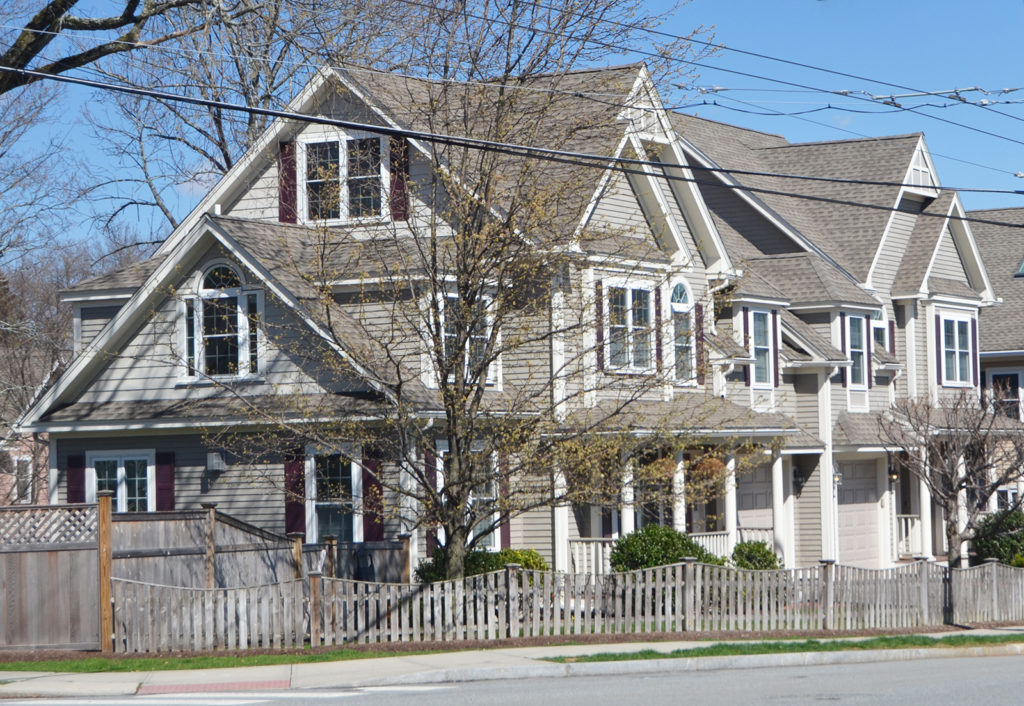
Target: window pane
{"points": [[364, 178], [641, 328], [880, 336], [965, 366], [136, 485], [761, 365], [221, 278], [949, 334], [333, 478], [760, 329], [950, 370], [190, 337], [106, 475], [857, 370], [683, 342], [334, 520], [962, 337], [679, 295], [254, 312], [220, 335], [322, 170], [617, 351]]}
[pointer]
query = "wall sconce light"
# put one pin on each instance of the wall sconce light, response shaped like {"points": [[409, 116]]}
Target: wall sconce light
{"points": [[799, 478], [837, 476], [894, 474], [216, 462]]}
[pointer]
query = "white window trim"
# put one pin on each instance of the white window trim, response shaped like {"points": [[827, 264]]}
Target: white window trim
{"points": [[772, 343], [958, 318], [494, 368], [355, 454], [883, 326], [313, 137], [15, 495], [494, 541], [866, 340], [196, 297], [121, 498], [691, 309], [629, 286], [1019, 372]]}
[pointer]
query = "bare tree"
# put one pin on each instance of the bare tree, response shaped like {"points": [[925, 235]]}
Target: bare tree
{"points": [[963, 451]]}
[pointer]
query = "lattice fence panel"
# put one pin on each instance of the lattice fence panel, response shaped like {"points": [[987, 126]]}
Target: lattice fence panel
{"points": [[51, 524]]}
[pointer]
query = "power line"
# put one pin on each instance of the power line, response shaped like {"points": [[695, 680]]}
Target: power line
{"points": [[623, 165]]}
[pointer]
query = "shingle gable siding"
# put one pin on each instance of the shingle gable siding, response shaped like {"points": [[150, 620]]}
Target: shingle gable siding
{"points": [[895, 245]]}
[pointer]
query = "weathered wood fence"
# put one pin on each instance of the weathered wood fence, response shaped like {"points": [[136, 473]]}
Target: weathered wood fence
{"points": [[514, 603]]}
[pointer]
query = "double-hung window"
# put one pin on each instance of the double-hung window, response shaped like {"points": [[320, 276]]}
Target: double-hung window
{"points": [[333, 492], [683, 333], [344, 178], [483, 498], [222, 335], [630, 330], [858, 351], [466, 335], [956, 351], [131, 475], [761, 344]]}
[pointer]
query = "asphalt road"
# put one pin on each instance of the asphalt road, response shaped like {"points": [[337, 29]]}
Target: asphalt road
{"points": [[931, 682]]}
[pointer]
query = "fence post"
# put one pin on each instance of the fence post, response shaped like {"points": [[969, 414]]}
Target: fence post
{"points": [[330, 561], [315, 617], [106, 600], [922, 570], [512, 591], [993, 565], [296, 539], [211, 544], [828, 594], [406, 539], [689, 593]]}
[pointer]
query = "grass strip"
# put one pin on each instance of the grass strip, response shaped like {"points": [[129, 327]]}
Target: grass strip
{"points": [[728, 649]]}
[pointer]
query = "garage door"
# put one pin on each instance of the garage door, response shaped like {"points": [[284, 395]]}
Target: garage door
{"points": [[858, 514]]}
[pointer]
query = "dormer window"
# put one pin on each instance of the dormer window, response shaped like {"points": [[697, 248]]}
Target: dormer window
{"points": [[858, 351], [221, 326], [344, 179]]}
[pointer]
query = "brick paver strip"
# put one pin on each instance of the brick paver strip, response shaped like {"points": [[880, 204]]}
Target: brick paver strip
{"points": [[222, 686]]}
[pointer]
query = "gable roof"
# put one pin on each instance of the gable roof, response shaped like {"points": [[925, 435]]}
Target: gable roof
{"points": [[1002, 250], [807, 279]]}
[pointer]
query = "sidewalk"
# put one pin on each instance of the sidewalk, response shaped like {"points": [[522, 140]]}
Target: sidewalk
{"points": [[471, 665]]}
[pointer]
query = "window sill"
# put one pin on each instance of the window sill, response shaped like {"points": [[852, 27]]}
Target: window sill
{"points": [[219, 381], [957, 385], [339, 222], [630, 371]]}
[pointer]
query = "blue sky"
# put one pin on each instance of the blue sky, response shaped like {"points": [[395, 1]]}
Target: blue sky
{"points": [[932, 45]]}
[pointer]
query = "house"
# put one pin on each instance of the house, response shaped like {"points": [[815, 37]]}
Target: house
{"points": [[727, 287]]}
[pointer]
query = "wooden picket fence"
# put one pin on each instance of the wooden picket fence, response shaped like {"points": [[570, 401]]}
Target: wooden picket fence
{"points": [[514, 603]]}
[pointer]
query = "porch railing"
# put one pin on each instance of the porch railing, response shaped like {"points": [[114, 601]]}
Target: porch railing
{"points": [[591, 556], [908, 535], [715, 542], [757, 534]]}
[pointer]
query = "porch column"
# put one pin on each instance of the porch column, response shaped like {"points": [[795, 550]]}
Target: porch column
{"points": [[924, 502], [780, 524], [560, 525], [627, 517], [679, 495], [731, 518]]}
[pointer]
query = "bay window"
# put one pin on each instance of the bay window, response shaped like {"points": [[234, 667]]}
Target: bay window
{"points": [[630, 330], [858, 351], [761, 342]]}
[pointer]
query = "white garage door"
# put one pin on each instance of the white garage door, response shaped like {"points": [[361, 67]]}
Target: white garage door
{"points": [[858, 514]]}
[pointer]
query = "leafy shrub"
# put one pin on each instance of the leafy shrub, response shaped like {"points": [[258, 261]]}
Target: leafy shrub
{"points": [[654, 545], [1017, 561], [1000, 536], [479, 561], [754, 555]]}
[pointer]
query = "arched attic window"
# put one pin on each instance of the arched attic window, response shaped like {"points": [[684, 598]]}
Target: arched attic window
{"points": [[221, 326], [683, 330]]}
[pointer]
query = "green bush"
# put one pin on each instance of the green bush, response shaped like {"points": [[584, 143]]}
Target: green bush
{"points": [[480, 561], [1000, 536], [1017, 561], [654, 545], [754, 555]]}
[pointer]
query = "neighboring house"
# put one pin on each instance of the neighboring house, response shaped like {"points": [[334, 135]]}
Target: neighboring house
{"points": [[790, 323]]}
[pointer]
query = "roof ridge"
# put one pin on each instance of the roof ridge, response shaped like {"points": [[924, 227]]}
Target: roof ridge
{"points": [[728, 125], [346, 66], [814, 143]]}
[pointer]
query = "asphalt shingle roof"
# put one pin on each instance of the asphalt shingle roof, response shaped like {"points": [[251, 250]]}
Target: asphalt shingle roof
{"points": [[1002, 250]]}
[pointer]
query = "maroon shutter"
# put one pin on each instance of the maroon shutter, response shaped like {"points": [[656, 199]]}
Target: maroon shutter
{"points": [[599, 312], [748, 370], [974, 350], [295, 493], [657, 328], [399, 200], [938, 349], [506, 527], [373, 499], [892, 338], [842, 344], [698, 325], [775, 344], [76, 479], [430, 474], [165, 480], [287, 208], [869, 345]]}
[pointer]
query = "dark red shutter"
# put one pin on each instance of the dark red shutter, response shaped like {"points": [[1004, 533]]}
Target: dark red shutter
{"points": [[748, 371], [657, 328], [430, 474], [506, 527], [869, 345], [76, 479], [775, 344], [974, 350], [938, 349], [399, 200], [295, 493], [892, 338], [287, 208], [165, 480], [373, 499], [842, 343], [599, 325], [698, 337]]}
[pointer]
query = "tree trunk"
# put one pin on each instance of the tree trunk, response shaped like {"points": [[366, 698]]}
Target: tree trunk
{"points": [[455, 554], [953, 535]]}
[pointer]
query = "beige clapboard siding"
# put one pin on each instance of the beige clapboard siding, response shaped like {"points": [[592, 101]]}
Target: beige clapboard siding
{"points": [[807, 513], [532, 530], [805, 394], [252, 494], [617, 210], [947, 263], [259, 198], [93, 319], [893, 249]]}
